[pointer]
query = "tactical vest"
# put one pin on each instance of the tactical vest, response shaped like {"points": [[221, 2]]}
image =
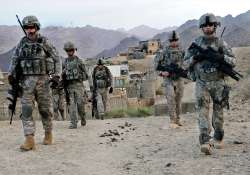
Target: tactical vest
{"points": [[33, 59], [101, 78], [73, 70], [205, 70], [173, 55]]}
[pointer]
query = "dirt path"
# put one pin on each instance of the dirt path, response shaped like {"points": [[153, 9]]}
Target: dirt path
{"points": [[146, 147]]}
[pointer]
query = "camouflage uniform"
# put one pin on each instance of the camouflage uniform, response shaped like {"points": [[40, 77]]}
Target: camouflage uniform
{"points": [[173, 84], [36, 59], [75, 72], [102, 79], [210, 84], [58, 102]]}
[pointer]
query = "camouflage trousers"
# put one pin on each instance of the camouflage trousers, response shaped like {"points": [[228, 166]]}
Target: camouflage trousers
{"points": [[58, 103], [174, 94], [205, 92], [101, 98], [36, 89], [77, 102]]}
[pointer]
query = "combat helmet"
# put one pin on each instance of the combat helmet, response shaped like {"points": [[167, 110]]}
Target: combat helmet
{"points": [[173, 36], [69, 46], [31, 20], [100, 61], [208, 18]]}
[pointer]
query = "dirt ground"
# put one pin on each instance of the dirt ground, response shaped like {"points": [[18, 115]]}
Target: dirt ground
{"points": [[133, 146]]}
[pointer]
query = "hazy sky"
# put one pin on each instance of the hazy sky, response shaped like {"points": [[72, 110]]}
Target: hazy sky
{"points": [[114, 14]]}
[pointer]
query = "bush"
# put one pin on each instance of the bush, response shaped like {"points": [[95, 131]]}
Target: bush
{"points": [[130, 112]]}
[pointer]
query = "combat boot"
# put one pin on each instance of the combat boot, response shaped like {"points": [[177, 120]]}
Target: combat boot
{"points": [[29, 143], [207, 148], [72, 126], [102, 117], [179, 123], [206, 145], [83, 121], [174, 125], [218, 144], [47, 138]]}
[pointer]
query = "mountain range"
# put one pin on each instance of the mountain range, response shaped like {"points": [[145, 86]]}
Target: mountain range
{"points": [[97, 42]]}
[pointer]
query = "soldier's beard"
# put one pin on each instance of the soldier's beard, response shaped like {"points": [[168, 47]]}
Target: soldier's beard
{"points": [[32, 35]]}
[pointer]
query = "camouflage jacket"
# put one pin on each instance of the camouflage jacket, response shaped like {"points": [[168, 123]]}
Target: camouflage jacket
{"points": [[205, 70], [74, 69]]}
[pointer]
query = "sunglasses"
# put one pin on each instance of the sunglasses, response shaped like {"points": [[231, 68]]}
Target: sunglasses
{"points": [[29, 27], [208, 24], [69, 50], [173, 40]]}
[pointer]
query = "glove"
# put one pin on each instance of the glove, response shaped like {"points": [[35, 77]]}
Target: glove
{"points": [[11, 79], [54, 81], [110, 90]]}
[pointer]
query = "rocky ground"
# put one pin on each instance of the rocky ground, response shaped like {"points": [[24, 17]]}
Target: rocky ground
{"points": [[136, 146]]}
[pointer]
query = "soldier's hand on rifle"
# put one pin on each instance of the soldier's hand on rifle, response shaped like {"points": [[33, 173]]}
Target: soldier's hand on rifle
{"points": [[55, 81], [164, 74], [11, 79]]}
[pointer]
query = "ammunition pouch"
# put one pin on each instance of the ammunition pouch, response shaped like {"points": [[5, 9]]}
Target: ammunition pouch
{"points": [[101, 84], [37, 66]]}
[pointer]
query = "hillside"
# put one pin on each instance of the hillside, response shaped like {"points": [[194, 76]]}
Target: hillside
{"points": [[121, 47], [237, 31], [89, 40]]}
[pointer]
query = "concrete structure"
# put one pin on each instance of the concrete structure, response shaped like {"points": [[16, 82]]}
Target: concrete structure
{"points": [[120, 75]]}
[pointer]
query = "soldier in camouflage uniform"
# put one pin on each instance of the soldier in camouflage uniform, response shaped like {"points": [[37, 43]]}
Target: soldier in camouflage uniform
{"points": [[210, 82], [75, 73], [172, 54], [102, 80], [37, 59], [58, 100]]}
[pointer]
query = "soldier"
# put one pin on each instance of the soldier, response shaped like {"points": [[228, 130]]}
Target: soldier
{"points": [[74, 73], [210, 83], [102, 80], [58, 100], [172, 54], [37, 59]]}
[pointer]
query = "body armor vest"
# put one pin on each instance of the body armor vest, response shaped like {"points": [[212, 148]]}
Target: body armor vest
{"points": [[73, 70], [101, 78], [173, 55], [205, 70], [33, 59]]}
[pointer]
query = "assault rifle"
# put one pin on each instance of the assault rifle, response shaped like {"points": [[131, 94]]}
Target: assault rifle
{"points": [[15, 91], [215, 57], [173, 69], [94, 104], [65, 87]]}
